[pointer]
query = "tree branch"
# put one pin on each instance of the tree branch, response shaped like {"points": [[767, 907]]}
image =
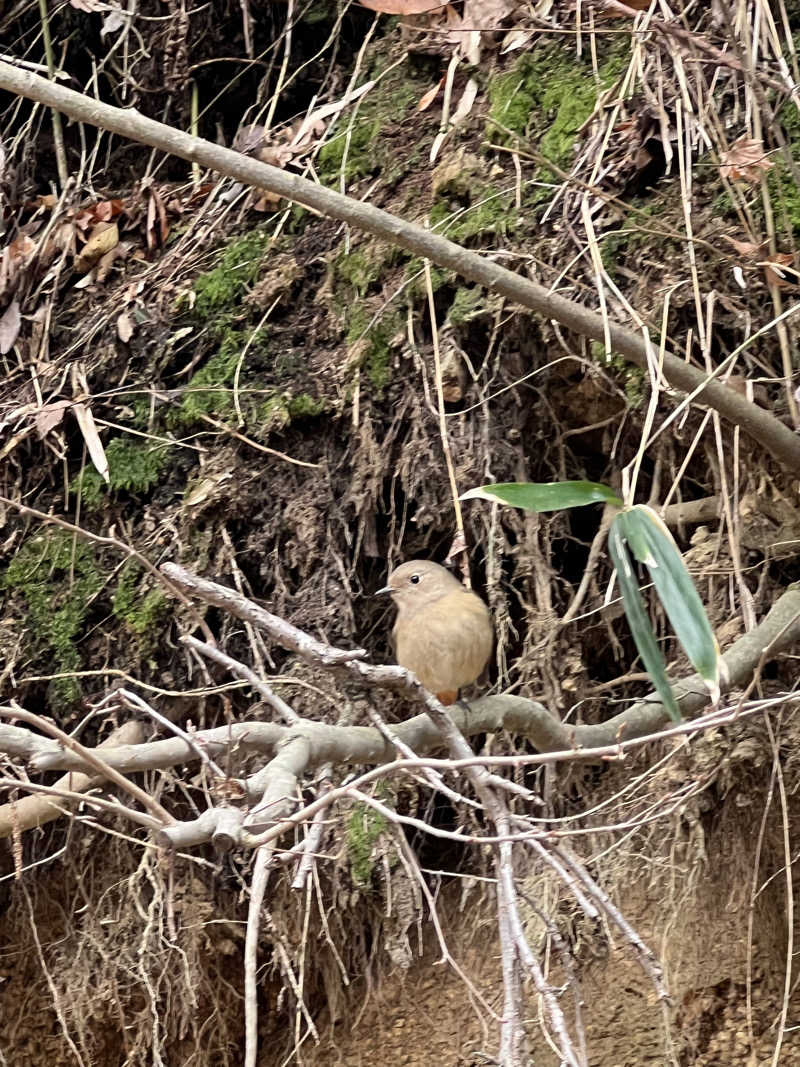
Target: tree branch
{"points": [[27, 812], [364, 745]]}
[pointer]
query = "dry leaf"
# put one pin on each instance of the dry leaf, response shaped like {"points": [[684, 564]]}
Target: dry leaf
{"points": [[515, 39], [614, 10], [265, 201], [745, 160], [156, 236], [205, 488], [49, 416], [312, 122], [103, 238], [775, 275], [10, 322], [427, 99], [465, 103], [747, 249], [249, 139], [47, 200], [105, 263], [124, 327], [94, 445], [114, 20], [485, 14], [106, 210], [459, 545]]}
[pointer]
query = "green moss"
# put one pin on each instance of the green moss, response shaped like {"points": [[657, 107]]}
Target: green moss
{"points": [[210, 390], [273, 413], [358, 269], [133, 466], [90, 488], [221, 289], [513, 97], [304, 406], [635, 385], [415, 287], [140, 612], [364, 827], [279, 410], [573, 101], [373, 343], [783, 189], [365, 145], [57, 577], [355, 154], [547, 94], [492, 212], [634, 378], [469, 303]]}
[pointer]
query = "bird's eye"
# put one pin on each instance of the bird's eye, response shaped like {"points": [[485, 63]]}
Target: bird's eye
{"points": [[414, 579]]}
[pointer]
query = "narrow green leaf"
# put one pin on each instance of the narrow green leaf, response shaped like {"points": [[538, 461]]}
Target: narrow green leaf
{"points": [[545, 496], [638, 621], [676, 591], [632, 532]]}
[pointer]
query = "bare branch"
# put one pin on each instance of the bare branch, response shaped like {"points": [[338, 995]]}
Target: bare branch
{"points": [[27, 812]]}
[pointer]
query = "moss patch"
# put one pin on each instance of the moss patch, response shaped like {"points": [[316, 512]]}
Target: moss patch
{"points": [[783, 188], [470, 302], [57, 577], [490, 212], [141, 612], [220, 290], [513, 97], [358, 268], [371, 345], [549, 94], [133, 466], [364, 146], [364, 827], [210, 390]]}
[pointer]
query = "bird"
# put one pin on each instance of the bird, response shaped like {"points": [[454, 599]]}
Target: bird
{"points": [[443, 632]]}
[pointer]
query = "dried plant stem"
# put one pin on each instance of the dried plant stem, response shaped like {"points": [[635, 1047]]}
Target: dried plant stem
{"points": [[58, 133]]}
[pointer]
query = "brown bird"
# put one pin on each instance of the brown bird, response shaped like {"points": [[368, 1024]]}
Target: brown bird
{"points": [[443, 632]]}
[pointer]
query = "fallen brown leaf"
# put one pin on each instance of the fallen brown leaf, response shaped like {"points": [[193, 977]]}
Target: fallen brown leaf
{"points": [[104, 237], [49, 416], [745, 160], [784, 279], [487, 15], [427, 99]]}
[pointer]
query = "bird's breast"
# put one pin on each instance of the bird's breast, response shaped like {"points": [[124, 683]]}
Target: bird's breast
{"points": [[446, 643]]}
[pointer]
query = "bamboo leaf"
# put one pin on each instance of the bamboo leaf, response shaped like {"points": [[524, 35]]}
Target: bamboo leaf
{"points": [[545, 496], [643, 528], [638, 621]]}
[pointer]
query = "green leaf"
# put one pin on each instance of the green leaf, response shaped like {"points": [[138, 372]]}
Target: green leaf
{"points": [[632, 532], [545, 496], [652, 543], [638, 621]]}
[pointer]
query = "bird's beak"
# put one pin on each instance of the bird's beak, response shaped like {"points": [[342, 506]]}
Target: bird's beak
{"points": [[382, 592]]}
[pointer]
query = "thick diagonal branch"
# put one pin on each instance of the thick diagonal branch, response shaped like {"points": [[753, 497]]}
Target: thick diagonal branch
{"points": [[763, 427]]}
